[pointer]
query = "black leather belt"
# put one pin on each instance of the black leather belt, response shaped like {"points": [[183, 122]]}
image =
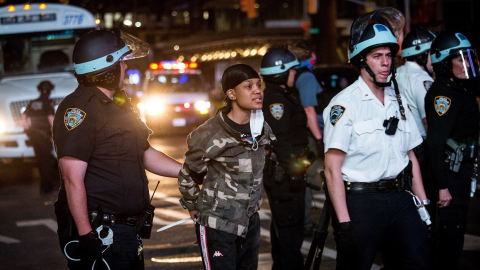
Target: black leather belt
{"points": [[382, 185]]}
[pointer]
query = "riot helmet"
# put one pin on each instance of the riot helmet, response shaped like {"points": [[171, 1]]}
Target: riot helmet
{"points": [[416, 45], [379, 28], [453, 56], [276, 64], [98, 53], [303, 51], [45, 88]]}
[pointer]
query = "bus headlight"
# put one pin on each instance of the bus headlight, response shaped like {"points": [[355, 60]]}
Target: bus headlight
{"points": [[3, 128], [154, 107], [202, 106]]}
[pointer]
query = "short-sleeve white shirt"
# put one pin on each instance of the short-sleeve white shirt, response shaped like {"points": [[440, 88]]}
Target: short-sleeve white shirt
{"points": [[357, 129], [413, 84]]}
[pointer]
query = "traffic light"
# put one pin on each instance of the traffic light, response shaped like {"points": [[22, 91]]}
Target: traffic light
{"points": [[248, 6]]}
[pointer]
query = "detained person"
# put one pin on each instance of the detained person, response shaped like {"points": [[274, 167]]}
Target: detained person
{"points": [[226, 155]]}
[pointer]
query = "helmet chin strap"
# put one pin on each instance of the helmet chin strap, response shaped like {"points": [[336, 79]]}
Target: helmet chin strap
{"points": [[379, 84]]}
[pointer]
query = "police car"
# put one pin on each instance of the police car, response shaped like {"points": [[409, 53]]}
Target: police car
{"points": [[174, 97]]}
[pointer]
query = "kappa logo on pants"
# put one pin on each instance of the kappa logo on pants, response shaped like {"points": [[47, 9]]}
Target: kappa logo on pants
{"points": [[217, 254]]}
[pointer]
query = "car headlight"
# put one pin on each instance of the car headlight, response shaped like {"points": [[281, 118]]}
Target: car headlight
{"points": [[154, 107], [202, 106]]}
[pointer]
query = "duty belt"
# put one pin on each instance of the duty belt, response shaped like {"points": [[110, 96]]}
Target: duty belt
{"points": [[112, 220], [382, 185]]}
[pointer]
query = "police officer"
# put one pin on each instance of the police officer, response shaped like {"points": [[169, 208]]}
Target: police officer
{"points": [[452, 117], [37, 122], [284, 181], [308, 88], [414, 80], [103, 151], [369, 138]]}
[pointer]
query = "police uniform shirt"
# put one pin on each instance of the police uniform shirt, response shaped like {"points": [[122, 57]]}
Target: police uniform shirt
{"points": [[354, 124], [413, 84], [111, 138], [452, 112], [284, 113], [38, 111]]}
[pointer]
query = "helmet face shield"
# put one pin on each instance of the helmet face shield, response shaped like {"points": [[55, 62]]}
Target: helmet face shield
{"points": [[138, 48], [465, 64]]}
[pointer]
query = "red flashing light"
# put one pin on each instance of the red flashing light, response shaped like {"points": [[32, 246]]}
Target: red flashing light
{"points": [[193, 65], [153, 66], [187, 105], [174, 65]]}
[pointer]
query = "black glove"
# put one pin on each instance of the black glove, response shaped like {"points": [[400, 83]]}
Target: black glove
{"points": [[346, 239], [90, 246]]}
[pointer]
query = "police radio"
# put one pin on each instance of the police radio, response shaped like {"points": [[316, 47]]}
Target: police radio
{"points": [[391, 125]]}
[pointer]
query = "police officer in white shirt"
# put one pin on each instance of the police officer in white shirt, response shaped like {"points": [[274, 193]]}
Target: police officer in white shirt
{"points": [[369, 138], [414, 77]]}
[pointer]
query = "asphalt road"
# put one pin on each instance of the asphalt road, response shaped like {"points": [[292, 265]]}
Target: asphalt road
{"points": [[28, 228]]}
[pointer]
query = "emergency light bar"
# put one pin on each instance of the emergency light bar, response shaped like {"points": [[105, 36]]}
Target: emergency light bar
{"points": [[173, 65]]}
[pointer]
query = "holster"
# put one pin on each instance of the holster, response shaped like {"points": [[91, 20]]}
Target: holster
{"points": [[145, 221], [405, 178]]}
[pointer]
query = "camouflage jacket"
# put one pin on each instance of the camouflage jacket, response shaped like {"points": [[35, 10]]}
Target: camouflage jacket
{"points": [[231, 173]]}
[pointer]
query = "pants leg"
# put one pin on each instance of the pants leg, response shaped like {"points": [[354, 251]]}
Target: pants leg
{"points": [[405, 245], [45, 162], [452, 229], [287, 225], [248, 247], [123, 253], [218, 248]]}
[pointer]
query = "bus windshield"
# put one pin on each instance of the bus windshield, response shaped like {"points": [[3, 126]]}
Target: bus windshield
{"points": [[44, 52]]}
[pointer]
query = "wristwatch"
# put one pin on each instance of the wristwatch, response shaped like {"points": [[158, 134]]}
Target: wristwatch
{"points": [[426, 202]]}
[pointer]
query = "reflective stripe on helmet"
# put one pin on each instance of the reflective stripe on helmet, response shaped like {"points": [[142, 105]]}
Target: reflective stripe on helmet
{"points": [[441, 55], [278, 68], [100, 63], [413, 51], [383, 36]]}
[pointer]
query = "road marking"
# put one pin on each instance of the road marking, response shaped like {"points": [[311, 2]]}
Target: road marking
{"points": [[472, 242], [8, 240], [47, 222]]}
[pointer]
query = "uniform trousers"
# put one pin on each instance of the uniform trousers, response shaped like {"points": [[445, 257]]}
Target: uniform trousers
{"points": [[227, 251], [287, 204], [42, 146], [452, 220], [388, 222], [121, 255]]}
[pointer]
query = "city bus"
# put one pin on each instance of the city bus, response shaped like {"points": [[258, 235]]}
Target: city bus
{"points": [[36, 44]]}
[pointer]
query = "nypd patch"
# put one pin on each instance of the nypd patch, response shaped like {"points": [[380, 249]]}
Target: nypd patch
{"points": [[442, 104], [276, 109], [73, 118], [336, 113], [427, 85]]}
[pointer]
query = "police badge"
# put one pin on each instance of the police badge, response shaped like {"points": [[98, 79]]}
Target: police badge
{"points": [[427, 85], [73, 118], [336, 113], [277, 110], [442, 104]]}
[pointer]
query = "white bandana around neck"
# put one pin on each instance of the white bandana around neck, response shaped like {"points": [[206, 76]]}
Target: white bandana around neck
{"points": [[256, 126]]}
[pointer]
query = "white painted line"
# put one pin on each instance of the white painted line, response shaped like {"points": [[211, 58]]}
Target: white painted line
{"points": [[48, 222], [8, 240]]}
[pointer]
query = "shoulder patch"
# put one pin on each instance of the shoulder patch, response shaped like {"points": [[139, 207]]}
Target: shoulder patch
{"points": [[336, 113], [73, 118], [442, 104], [427, 85], [276, 109]]}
